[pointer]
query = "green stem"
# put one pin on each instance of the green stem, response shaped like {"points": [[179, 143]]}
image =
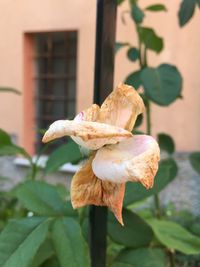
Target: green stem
{"points": [[157, 206], [148, 119], [148, 122], [33, 170], [172, 259], [145, 57], [143, 63]]}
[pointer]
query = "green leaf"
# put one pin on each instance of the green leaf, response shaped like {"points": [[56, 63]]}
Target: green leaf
{"points": [[163, 84], [20, 241], [12, 150], [195, 161], [9, 90], [7, 148], [53, 262], [43, 199], [195, 228], [186, 11], [156, 7], [137, 14], [5, 139], [166, 173], [121, 264], [63, 154], [45, 252], [166, 143], [127, 235], [118, 46], [133, 54], [174, 236], [143, 257], [134, 79], [149, 38], [70, 246]]}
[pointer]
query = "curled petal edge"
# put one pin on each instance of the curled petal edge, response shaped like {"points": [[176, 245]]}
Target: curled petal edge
{"points": [[87, 189], [91, 135], [135, 159]]}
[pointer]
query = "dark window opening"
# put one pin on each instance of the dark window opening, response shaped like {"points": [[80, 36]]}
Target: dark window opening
{"points": [[55, 80]]}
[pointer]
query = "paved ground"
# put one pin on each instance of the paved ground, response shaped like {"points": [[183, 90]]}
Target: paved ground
{"points": [[184, 191]]}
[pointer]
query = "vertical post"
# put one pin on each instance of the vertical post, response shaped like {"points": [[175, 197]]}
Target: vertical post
{"points": [[103, 84]]}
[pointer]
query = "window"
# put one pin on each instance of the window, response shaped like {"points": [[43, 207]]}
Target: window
{"points": [[55, 80]]}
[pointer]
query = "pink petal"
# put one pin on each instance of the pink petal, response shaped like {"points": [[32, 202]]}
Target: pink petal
{"points": [[135, 159]]}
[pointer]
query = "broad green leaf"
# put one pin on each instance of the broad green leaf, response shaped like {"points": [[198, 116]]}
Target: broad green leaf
{"points": [[195, 161], [65, 153], [12, 150], [186, 11], [174, 236], [195, 228], [7, 148], [43, 199], [162, 84], [20, 241], [70, 246], [44, 252], [166, 143], [137, 14], [9, 90], [149, 38], [143, 257], [134, 79], [121, 264], [5, 139], [133, 54], [198, 3], [134, 233], [156, 7], [53, 262], [166, 173]]}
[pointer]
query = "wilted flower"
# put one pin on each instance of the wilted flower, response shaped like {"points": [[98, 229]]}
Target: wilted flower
{"points": [[118, 156]]}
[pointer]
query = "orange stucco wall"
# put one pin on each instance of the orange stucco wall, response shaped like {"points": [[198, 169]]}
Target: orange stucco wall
{"points": [[19, 17], [181, 48]]}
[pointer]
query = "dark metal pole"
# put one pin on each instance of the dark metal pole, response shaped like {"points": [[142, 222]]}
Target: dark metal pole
{"points": [[103, 84]]}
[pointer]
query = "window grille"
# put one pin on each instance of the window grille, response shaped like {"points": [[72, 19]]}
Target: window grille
{"points": [[55, 79]]}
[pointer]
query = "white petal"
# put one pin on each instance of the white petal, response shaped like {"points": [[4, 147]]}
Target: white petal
{"points": [[135, 159], [91, 135]]}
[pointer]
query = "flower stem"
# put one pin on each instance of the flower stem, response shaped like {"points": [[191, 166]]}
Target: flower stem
{"points": [[172, 258], [143, 63], [148, 117], [148, 127]]}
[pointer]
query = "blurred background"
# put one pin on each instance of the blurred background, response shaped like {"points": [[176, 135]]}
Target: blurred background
{"points": [[47, 53], [50, 46]]}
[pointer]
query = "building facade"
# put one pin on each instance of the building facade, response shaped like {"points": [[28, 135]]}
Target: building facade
{"points": [[47, 53]]}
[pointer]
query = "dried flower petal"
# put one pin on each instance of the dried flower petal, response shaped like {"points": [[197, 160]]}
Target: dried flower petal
{"points": [[121, 107], [90, 114], [135, 159], [87, 189], [91, 135]]}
